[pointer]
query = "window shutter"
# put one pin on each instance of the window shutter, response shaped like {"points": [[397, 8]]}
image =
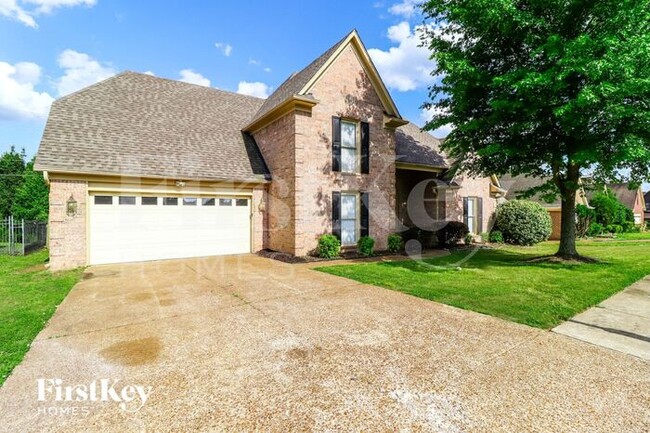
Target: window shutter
{"points": [[365, 214], [365, 148], [479, 216], [336, 144], [465, 211], [336, 214]]}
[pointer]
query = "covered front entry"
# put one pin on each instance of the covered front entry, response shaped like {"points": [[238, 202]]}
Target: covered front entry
{"points": [[128, 228], [421, 199]]}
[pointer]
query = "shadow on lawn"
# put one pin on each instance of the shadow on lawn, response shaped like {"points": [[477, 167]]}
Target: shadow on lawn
{"points": [[487, 258]]}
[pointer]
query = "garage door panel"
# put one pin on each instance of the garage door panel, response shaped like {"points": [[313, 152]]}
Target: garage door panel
{"points": [[127, 233]]}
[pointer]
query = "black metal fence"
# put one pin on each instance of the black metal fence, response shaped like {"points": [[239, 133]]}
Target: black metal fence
{"points": [[19, 237]]}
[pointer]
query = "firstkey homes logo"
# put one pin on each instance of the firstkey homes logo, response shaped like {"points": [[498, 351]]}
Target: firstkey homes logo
{"points": [[129, 397]]}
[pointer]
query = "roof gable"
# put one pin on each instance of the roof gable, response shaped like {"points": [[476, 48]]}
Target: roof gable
{"points": [[300, 83]]}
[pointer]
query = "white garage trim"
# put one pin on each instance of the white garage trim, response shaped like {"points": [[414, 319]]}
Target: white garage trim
{"points": [[129, 231]]}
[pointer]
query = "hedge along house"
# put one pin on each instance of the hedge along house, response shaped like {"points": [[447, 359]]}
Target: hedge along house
{"points": [[144, 168]]}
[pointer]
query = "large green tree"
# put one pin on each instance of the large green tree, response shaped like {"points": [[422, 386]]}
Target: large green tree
{"points": [[31, 197], [12, 166], [548, 88]]}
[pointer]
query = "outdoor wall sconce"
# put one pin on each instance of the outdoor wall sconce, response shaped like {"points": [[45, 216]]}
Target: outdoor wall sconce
{"points": [[262, 206], [71, 206]]}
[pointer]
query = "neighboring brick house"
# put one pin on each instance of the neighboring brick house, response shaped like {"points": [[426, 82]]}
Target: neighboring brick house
{"points": [[144, 168], [632, 198]]}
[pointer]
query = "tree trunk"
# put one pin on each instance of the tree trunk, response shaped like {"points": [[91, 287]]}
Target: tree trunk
{"points": [[567, 248]]}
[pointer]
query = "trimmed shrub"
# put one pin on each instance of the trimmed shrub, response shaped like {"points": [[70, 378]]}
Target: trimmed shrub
{"points": [[394, 242], [366, 246], [629, 227], [595, 229], [452, 233], [469, 238], [328, 246], [523, 222], [614, 228], [496, 237]]}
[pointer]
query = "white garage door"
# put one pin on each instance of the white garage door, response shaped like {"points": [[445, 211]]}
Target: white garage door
{"points": [[128, 228]]}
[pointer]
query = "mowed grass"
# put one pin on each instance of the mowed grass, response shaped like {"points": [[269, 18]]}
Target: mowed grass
{"points": [[500, 282], [29, 295]]}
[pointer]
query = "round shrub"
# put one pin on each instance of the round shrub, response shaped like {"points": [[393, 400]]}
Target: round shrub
{"points": [[614, 228], [595, 229], [496, 237], [452, 233], [365, 246], [523, 222], [328, 246], [394, 242]]}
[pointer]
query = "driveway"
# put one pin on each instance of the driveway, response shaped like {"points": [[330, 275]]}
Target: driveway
{"points": [[245, 343], [621, 322]]}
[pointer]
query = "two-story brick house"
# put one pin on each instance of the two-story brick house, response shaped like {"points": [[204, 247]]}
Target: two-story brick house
{"points": [[144, 168]]}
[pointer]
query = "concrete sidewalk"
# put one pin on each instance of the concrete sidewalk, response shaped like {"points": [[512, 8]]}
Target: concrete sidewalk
{"points": [[620, 323]]}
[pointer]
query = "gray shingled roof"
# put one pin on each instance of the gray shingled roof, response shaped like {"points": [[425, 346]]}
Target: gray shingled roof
{"points": [[624, 194], [414, 146], [296, 82], [518, 184], [136, 124]]}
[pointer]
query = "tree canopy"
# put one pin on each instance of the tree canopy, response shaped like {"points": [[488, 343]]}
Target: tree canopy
{"points": [[23, 191], [12, 166], [546, 88]]}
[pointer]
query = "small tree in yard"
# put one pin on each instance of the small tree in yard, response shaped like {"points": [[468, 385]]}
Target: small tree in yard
{"points": [[544, 88], [31, 196], [12, 166]]}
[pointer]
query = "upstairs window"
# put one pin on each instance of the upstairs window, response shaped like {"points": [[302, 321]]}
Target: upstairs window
{"points": [[350, 146]]}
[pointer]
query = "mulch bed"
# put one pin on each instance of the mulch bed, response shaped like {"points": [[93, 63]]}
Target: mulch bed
{"points": [[345, 255]]}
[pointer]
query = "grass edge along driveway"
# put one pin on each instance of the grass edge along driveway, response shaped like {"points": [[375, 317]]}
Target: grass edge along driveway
{"points": [[29, 295], [499, 282]]}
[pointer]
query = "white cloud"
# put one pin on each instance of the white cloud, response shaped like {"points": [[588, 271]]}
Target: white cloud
{"points": [[47, 6], [406, 66], [149, 73], [18, 97], [11, 9], [254, 62], [406, 9], [267, 69], [427, 114], [189, 76], [226, 49], [80, 70], [257, 89]]}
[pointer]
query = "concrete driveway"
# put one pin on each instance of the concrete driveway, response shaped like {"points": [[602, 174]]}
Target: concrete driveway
{"points": [[246, 343]]}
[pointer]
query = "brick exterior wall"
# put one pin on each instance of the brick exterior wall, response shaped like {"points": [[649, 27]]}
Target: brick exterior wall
{"points": [[343, 91], [472, 187], [67, 235], [556, 221], [259, 219], [277, 143]]}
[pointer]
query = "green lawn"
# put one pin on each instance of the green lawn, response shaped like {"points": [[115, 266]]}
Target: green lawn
{"points": [[29, 295], [498, 281], [634, 236]]}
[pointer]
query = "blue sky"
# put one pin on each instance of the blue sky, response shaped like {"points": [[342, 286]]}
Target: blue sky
{"points": [[53, 47]]}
